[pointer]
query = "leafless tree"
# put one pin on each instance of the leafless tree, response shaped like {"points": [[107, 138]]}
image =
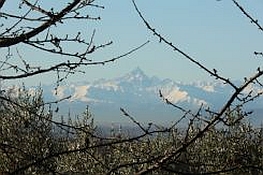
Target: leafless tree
{"points": [[78, 148], [36, 26], [234, 102]]}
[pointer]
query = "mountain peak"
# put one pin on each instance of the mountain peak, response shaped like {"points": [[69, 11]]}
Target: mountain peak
{"points": [[137, 73], [136, 78]]}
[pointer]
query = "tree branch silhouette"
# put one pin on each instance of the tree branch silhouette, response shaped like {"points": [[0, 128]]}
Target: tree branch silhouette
{"points": [[158, 164]]}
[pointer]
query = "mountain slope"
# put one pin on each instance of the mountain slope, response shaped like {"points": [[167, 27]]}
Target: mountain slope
{"points": [[139, 94]]}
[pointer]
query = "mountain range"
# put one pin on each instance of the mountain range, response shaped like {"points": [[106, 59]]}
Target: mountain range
{"points": [[139, 95]]}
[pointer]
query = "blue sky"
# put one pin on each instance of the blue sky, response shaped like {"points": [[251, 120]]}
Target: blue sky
{"points": [[214, 32]]}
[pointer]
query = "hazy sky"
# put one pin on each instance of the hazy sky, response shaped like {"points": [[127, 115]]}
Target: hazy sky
{"points": [[214, 32]]}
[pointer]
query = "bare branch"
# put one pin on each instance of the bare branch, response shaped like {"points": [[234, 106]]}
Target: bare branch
{"points": [[217, 116], [2, 3], [70, 66], [253, 21], [6, 42], [191, 59]]}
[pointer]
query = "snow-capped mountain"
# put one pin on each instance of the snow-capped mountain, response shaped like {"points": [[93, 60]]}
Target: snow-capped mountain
{"points": [[139, 94]]}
